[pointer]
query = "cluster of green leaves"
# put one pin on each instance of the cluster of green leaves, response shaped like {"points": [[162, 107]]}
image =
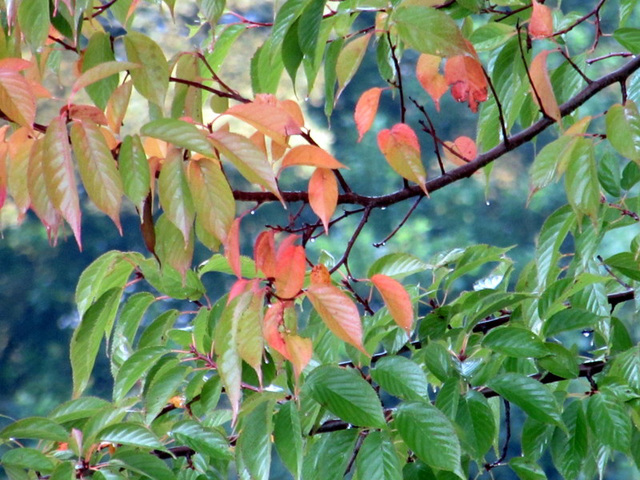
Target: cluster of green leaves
{"points": [[348, 382]]}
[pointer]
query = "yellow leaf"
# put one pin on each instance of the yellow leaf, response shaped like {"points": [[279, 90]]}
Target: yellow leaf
{"points": [[401, 149]]}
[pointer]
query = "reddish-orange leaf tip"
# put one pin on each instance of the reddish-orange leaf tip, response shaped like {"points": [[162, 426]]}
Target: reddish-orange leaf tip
{"points": [[430, 78], [464, 148], [467, 80], [272, 326], [366, 110], [397, 300], [401, 148]]}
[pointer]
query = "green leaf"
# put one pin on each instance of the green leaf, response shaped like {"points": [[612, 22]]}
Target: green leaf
{"points": [[225, 37], [134, 369], [560, 361], [430, 434], [349, 61], [38, 428], [64, 471], [132, 434], [203, 440], [175, 196], [378, 459], [143, 463], [152, 80], [397, 265], [85, 343], [134, 170], [219, 263], [574, 448], [627, 365], [609, 421], [528, 394], [625, 263], [181, 134], [527, 469], [174, 253], [98, 51], [569, 319], [581, 180], [288, 437], [629, 38], [28, 458], [551, 162], [429, 31], [83, 407], [623, 130], [491, 36], [515, 342], [448, 398], [475, 417], [97, 168], [609, 174], [33, 17], [401, 377], [309, 26], [552, 235], [345, 394], [437, 360], [250, 161], [164, 384], [254, 440]]}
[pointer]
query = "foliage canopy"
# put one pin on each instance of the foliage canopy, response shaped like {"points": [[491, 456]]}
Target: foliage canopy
{"points": [[394, 372]]}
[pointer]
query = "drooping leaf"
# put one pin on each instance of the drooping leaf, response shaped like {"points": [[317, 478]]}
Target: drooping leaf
{"points": [[430, 434], [468, 83], [401, 148], [541, 23], [289, 270], [232, 247], [97, 169], [349, 60], [287, 434], [346, 394], [135, 368], [41, 204], [152, 79], [59, 174], [99, 51], [366, 109], [609, 421], [264, 252], [323, 195], [273, 328], [134, 171], [174, 194], [300, 350], [397, 300], [427, 73], [250, 161], [254, 440], [542, 90], [250, 337], [34, 22], [338, 312]]}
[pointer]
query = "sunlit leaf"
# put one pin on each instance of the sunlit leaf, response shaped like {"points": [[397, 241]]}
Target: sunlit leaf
{"points": [[427, 73], [541, 23], [101, 72], [270, 119], [349, 60], [17, 100], [311, 156], [152, 79], [181, 134]]}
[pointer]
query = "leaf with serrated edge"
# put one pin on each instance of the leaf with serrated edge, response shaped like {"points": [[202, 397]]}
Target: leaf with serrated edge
{"points": [[378, 459], [174, 193], [131, 434], [401, 377], [338, 312], [59, 175], [397, 300], [152, 79], [97, 169], [181, 134], [323, 195], [623, 130], [346, 394], [17, 100], [349, 60]]}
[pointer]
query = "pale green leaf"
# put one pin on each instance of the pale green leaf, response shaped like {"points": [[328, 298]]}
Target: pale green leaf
{"points": [[135, 368], [181, 134], [152, 80], [134, 171], [623, 130], [132, 434], [37, 428], [397, 265]]}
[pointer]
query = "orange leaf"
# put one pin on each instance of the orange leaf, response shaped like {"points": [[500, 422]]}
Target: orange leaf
{"points": [[338, 312], [273, 328], [320, 275], [311, 156], [464, 147], [87, 112], [17, 100], [270, 119], [232, 247], [401, 148], [366, 110], [397, 300], [467, 77], [264, 253], [430, 78], [300, 351], [323, 195], [290, 268], [541, 86], [541, 23]]}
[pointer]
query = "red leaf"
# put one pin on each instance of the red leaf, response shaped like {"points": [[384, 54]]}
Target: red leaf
{"points": [[323, 195], [290, 268], [467, 78], [366, 110], [401, 148], [264, 253], [338, 312], [464, 147], [311, 156], [232, 247], [541, 86], [397, 300], [541, 23], [430, 78], [273, 328]]}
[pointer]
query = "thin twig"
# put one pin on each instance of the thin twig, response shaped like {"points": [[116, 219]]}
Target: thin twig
{"points": [[400, 225], [505, 447]]}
